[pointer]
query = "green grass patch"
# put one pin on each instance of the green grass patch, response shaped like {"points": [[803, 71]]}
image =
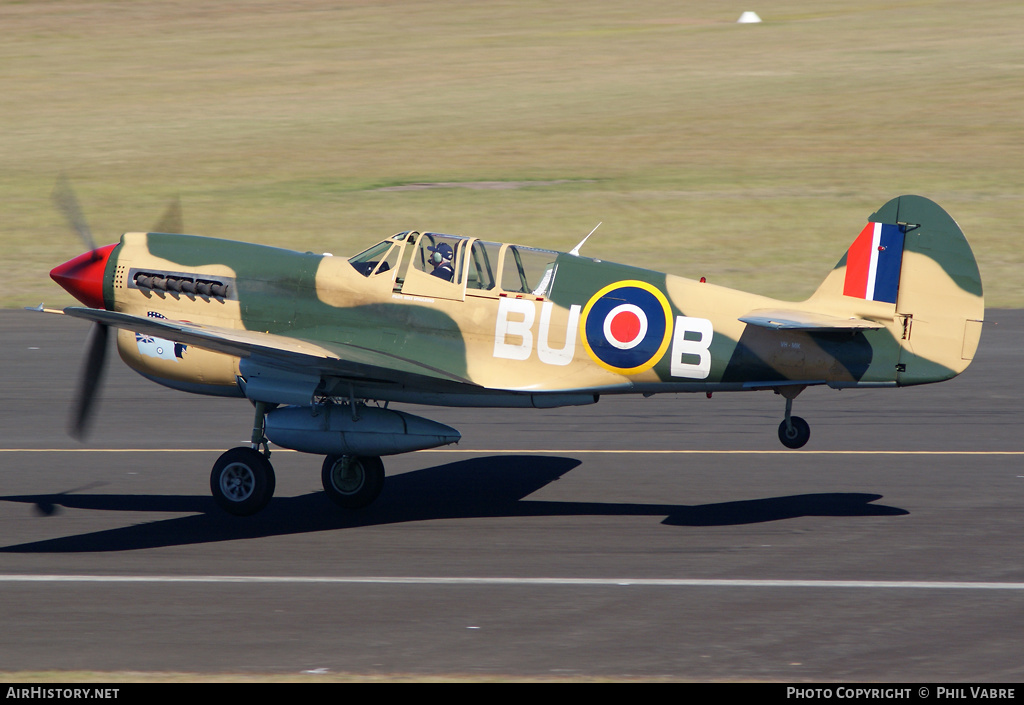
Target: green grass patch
{"points": [[751, 154]]}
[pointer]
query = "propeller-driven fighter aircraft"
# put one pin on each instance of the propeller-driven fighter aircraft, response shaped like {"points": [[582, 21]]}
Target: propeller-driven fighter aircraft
{"points": [[321, 344]]}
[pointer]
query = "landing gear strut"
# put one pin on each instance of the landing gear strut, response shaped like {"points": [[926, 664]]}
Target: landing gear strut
{"points": [[794, 432]]}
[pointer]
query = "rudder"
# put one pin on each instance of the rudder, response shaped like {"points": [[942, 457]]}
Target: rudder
{"points": [[941, 301]]}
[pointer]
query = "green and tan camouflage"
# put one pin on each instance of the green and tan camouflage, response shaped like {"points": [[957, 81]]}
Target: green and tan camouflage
{"points": [[440, 319]]}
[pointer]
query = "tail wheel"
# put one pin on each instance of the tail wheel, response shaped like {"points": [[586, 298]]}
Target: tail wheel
{"points": [[796, 433], [352, 481], [242, 481]]}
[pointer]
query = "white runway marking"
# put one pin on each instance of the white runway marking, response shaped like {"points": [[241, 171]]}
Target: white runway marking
{"points": [[535, 582]]}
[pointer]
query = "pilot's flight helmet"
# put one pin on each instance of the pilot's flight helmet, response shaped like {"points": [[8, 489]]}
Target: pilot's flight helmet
{"points": [[441, 252]]}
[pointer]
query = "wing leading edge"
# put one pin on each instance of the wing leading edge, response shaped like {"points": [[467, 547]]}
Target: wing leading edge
{"points": [[341, 360]]}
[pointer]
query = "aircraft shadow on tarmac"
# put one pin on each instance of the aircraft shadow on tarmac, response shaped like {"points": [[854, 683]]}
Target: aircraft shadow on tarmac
{"points": [[482, 487]]}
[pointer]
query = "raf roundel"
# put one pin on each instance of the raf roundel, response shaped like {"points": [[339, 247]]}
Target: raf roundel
{"points": [[627, 326]]}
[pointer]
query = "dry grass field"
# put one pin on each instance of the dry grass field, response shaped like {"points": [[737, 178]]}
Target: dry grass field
{"points": [[751, 154]]}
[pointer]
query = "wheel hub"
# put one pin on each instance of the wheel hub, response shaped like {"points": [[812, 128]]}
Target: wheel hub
{"points": [[237, 482], [347, 476]]}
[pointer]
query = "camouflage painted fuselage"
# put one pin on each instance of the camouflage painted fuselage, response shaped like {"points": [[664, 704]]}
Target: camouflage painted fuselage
{"points": [[524, 327]]}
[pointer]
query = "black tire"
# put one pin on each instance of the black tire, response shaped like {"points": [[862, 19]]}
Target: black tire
{"points": [[242, 481], [797, 436], [351, 481]]}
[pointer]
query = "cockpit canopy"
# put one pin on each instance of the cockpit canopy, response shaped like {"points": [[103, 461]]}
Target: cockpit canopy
{"points": [[449, 266]]}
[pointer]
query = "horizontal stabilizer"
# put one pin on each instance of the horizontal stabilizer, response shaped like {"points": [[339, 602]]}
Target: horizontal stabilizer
{"points": [[783, 319]]}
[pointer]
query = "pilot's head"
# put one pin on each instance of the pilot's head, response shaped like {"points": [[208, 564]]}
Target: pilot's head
{"points": [[441, 253]]}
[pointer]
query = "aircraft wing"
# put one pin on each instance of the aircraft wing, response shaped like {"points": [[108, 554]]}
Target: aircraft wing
{"points": [[340, 359], [792, 319]]}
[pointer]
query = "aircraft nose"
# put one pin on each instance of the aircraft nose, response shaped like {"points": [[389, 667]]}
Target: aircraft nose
{"points": [[82, 277]]}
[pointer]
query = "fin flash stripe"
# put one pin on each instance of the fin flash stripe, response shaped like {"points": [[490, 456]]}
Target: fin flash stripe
{"points": [[873, 263]]}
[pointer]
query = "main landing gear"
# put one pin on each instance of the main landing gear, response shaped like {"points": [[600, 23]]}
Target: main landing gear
{"points": [[794, 432], [243, 480], [351, 481]]}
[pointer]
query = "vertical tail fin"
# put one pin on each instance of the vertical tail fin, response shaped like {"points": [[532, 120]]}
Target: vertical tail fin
{"points": [[912, 265]]}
